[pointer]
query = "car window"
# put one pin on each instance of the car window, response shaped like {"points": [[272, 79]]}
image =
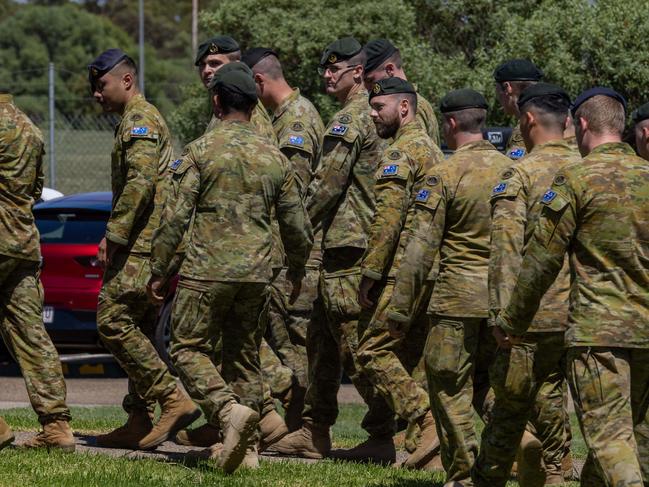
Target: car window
{"points": [[71, 226]]}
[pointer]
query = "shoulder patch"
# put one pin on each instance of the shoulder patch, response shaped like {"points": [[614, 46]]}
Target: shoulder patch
{"points": [[559, 179], [508, 174], [390, 170], [499, 188], [516, 153], [139, 131], [432, 180], [548, 197], [175, 164], [345, 118], [296, 140], [338, 130], [394, 155], [422, 195], [297, 126]]}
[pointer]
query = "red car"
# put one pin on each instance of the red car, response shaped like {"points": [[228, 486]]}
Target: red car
{"points": [[71, 228]]}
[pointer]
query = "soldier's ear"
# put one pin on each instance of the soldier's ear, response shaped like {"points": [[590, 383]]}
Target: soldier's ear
{"points": [[645, 133], [128, 80], [358, 73], [389, 69]]}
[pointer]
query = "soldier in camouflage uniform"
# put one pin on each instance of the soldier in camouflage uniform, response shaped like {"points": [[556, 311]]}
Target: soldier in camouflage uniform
{"points": [[21, 293], [230, 178], [597, 211], [539, 361], [452, 218], [383, 60], [299, 130], [125, 320], [341, 199], [511, 78], [389, 359]]}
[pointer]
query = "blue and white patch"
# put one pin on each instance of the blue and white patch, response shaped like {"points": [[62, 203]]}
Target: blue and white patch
{"points": [[390, 170], [140, 131], [338, 130], [517, 153], [175, 164], [549, 196], [500, 188], [422, 195], [296, 140]]}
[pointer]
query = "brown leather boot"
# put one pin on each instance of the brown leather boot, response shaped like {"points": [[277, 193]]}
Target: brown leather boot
{"points": [[6, 435], [531, 470], [178, 412], [373, 450], [55, 434], [203, 436], [137, 426], [428, 445], [273, 428], [310, 441], [238, 424]]}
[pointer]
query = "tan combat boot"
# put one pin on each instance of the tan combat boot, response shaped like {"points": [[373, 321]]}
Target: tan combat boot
{"points": [[6, 435], [428, 447], [251, 460], [203, 436], [137, 426], [238, 424], [310, 441], [55, 434], [531, 471], [373, 450], [273, 428], [178, 412]]}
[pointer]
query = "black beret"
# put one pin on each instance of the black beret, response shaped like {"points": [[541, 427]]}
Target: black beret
{"points": [[391, 86], [377, 52], [461, 100], [597, 91], [256, 54], [641, 113], [518, 70], [539, 90], [344, 48], [216, 45], [106, 61], [236, 77]]}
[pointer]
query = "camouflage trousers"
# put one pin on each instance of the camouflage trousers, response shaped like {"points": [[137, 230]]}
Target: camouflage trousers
{"points": [[125, 322], [517, 376], [332, 346], [458, 354], [610, 388], [21, 325], [390, 362], [204, 315]]}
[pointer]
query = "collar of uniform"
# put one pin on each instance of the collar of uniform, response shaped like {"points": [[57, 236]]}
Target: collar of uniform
{"points": [[6, 98], [361, 94], [286, 102], [613, 148], [411, 126], [133, 102], [476, 145], [552, 143]]}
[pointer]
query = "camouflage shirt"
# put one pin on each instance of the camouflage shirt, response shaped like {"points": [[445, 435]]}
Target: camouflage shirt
{"points": [[515, 203], [341, 195], [232, 178], [516, 145], [141, 155], [452, 218], [427, 118], [260, 120], [598, 211], [399, 176], [21, 181]]}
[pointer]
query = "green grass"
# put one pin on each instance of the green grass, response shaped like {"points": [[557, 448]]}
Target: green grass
{"points": [[39, 468]]}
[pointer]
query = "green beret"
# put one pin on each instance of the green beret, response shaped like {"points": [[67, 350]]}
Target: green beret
{"points": [[391, 86], [461, 100], [216, 45], [235, 77], [377, 52], [518, 70], [542, 90], [344, 48], [641, 113]]}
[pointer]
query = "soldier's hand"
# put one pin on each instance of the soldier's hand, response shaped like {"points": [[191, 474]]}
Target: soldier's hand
{"points": [[154, 290], [296, 289], [396, 330], [364, 290], [502, 339], [101, 253], [515, 339]]}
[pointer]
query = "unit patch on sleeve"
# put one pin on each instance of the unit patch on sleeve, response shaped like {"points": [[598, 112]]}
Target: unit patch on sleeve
{"points": [[139, 131], [422, 195], [499, 188], [390, 170], [297, 140], [338, 130], [549, 196], [516, 153]]}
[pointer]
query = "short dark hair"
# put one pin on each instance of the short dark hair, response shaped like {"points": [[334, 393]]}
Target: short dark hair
{"points": [[412, 99], [270, 66], [470, 120], [127, 65], [519, 86], [357, 59], [232, 101], [551, 109], [395, 59]]}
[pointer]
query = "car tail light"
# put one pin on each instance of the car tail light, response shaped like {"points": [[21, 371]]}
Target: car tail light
{"points": [[88, 261]]}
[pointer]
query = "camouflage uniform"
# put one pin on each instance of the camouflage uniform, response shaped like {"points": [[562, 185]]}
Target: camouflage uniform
{"points": [[389, 362], [341, 199], [259, 119], [598, 212], [21, 295], [452, 217], [516, 145], [538, 363], [125, 317], [427, 119], [231, 178]]}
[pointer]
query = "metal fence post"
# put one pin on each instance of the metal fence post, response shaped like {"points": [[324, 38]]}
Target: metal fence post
{"points": [[52, 117]]}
